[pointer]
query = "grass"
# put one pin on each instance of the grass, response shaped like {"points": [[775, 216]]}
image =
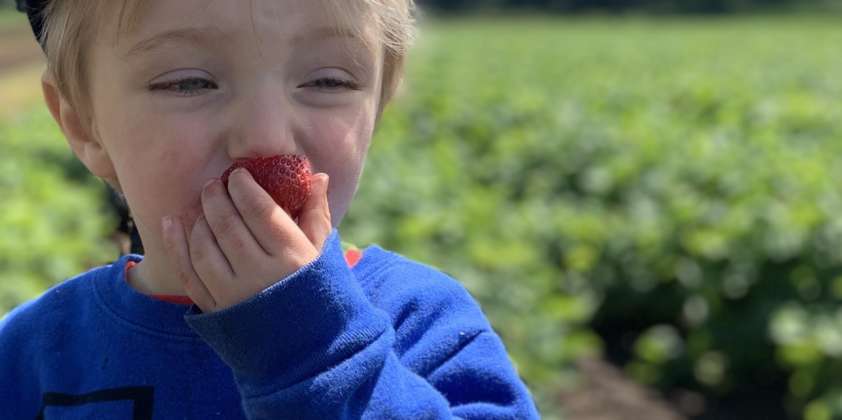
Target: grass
{"points": [[606, 147], [584, 116], [20, 91], [10, 17]]}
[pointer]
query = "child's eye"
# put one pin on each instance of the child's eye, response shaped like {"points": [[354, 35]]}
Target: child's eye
{"points": [[331, 84], [185, 87]]}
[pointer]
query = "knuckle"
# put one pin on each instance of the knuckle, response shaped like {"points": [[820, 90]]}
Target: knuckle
{"points": [[234, 243], [226, 224], [251, 205], [186, 279], [199, 255], [258, 209]]}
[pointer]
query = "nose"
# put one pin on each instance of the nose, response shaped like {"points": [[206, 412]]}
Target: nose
{"points": [[262, 124]]}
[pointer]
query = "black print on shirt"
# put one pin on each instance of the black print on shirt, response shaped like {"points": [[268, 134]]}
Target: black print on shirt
{"points": [[140, 396]]}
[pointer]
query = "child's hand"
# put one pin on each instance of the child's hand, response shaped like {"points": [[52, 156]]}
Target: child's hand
{"points": [[245, 243]]}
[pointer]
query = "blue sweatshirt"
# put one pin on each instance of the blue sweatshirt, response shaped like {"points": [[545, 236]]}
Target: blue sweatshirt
{"points": [[388, 339]]}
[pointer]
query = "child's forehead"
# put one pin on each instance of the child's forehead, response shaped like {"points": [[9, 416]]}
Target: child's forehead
{"points": [[293, 19]]}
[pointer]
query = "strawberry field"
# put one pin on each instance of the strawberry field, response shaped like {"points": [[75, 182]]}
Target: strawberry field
{"points": [[666, 194]]}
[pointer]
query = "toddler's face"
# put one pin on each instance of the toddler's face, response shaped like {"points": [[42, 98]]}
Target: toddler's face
{"points": [[198, 84]]}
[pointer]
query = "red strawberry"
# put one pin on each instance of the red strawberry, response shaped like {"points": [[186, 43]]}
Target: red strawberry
{"points": [[286, 178]]}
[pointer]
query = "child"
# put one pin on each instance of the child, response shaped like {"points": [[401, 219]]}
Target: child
{"points": [[237, 310]]}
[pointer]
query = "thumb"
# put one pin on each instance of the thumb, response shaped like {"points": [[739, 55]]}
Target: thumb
{"points": [[314, 219]]}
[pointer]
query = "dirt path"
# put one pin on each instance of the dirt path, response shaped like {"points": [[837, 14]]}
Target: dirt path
{"points": [[21, 66], [607, 394], [18, 49]]}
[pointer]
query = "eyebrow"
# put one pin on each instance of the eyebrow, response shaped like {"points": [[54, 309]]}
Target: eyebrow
{"points": [[204, 35], [185, 35]]}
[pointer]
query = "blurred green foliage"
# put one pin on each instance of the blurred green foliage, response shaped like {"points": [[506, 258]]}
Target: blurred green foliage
{"points": [[636, 6], [10, 17], [53, 218], [678, 178]]}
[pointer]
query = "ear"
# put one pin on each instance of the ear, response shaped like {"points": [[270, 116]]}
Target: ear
{"points": [[87, 147]]}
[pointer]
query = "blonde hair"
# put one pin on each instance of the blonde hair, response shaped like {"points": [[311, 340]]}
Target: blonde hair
{"points": [[68, 30]]}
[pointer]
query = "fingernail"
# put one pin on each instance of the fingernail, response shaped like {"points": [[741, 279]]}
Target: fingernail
{"points": [[241, 171], [208, 184]]}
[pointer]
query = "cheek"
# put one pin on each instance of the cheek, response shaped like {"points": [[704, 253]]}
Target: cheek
{"points": [[338, 147], [143, 153], [161, 167]]}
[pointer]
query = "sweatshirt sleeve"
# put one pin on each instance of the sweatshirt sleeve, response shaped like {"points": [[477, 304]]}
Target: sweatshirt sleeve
{"points": [[313, 346], [18, 376]]}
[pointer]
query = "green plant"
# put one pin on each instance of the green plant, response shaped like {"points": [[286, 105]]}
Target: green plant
{"points": [[666, 191], [52, 215]]}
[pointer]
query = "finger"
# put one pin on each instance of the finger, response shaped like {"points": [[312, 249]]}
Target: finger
{"points": [[268, 222], [175, 242], [315, 216], [208, 261], [234, 238]]}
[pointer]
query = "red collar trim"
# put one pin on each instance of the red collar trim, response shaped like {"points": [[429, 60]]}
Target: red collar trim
{"points": [[177, 299]]}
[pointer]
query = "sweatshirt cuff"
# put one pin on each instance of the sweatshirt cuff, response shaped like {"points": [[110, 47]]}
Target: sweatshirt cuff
{"points": [[305, 323]]}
